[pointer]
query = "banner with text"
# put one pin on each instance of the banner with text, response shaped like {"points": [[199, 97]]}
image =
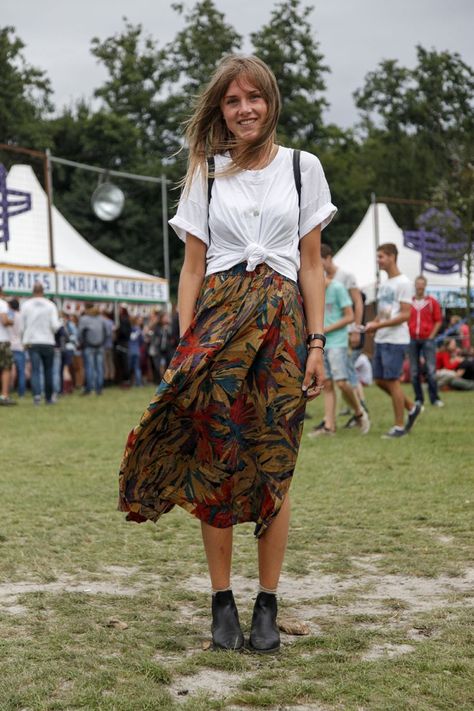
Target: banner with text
{"points": [[20, 281]]}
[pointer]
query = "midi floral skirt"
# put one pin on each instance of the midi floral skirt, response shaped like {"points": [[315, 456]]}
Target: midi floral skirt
{"points": [[221, 435]]}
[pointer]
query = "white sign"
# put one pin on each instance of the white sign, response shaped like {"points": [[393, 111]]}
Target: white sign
{"points": [[20, 281]]}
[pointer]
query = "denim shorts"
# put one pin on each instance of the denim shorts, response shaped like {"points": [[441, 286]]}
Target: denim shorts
{"points": [[351, 373], [387, 363], [336, 363]]}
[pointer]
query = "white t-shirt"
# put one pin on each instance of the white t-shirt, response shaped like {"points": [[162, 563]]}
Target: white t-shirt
{"points": [[39, 321], [345, 278], [4, 334], [253, 215], [391, 293]]}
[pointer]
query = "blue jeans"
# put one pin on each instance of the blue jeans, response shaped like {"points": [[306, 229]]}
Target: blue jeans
{"points": [[42, 355], [425, 348], [134, 367], [20, 361], [94, 367]]}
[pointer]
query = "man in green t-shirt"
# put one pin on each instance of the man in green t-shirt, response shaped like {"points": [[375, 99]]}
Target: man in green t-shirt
{"points": [[338, 314]]}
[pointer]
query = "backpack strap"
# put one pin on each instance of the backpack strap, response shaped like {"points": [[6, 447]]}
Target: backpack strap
{"points": [[297, 174], [211, 168]]}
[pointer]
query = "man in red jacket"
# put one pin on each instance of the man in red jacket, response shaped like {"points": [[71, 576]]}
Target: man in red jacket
{"points": [[425, 322]]}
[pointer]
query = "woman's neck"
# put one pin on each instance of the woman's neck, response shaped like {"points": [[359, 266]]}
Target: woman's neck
{"points": [[262, 159]]}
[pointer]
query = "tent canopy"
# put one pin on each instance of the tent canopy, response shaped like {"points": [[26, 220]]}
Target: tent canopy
{"points": [[81, 271], [358, 256]]}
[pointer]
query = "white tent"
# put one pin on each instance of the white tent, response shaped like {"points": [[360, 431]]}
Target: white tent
{"points": [[358, 256], [82, 272]]}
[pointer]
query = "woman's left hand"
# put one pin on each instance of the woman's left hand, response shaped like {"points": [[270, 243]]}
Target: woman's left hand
{"points": [[313, 382]]}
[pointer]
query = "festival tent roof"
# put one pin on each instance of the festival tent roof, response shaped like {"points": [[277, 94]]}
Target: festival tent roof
{"points": [[75, 259], [358, 256]]}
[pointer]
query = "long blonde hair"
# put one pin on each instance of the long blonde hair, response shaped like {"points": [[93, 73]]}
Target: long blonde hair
{"points": [[206, 131]]}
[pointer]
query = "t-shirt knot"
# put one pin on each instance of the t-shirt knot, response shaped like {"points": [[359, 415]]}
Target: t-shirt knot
{"points": [[254, 254]]}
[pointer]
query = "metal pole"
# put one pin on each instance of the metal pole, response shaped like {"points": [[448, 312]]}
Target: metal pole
{"points": [[164, 210], [376, 240], [48, 180]]}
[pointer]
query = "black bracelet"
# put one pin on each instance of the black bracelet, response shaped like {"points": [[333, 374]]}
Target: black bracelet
{"points": [[313, 348], [316, 337]]}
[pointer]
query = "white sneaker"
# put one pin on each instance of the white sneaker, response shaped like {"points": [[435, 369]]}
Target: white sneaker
{"points": [[362, 422], [438, 403]]}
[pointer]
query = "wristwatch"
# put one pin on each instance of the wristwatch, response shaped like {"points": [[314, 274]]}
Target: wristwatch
{"points": [[316, 337]]}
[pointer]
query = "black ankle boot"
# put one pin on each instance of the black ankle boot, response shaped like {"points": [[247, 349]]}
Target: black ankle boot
{"points": [[226, 632], [264, 635]]}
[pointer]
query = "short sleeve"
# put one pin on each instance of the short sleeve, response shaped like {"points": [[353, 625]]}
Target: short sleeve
{"points": [[350, 282], [192, 213], [316, 206], [405, 293]]}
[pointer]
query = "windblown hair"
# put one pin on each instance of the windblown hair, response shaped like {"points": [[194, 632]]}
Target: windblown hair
{"points": [[206, 131]]}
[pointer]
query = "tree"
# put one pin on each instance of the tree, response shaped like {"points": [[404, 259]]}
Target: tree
{"points": [[287, 45], [456, 192], [435, 99], [136, 85], [198, 47], [409, 119], [25, 93]]}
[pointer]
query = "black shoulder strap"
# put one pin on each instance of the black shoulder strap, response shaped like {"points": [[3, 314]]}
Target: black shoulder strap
{"points": [[297, 174], [211, 168]]}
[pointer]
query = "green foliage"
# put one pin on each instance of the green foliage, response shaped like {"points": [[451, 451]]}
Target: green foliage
{"points": [[410, 119], [288, 46], [25, 94], [198, 47]]}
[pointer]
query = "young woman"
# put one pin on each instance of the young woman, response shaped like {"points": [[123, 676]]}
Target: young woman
{"points": [[221, 436]]}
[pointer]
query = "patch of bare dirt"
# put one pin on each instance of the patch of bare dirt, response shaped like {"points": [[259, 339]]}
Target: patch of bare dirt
{"points": [[10, 592], [217, 684], [386, 651]]}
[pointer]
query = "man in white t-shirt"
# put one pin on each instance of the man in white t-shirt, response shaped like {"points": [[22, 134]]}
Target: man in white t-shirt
{"points": [[6, 356], [392, 338], [39, 323]]}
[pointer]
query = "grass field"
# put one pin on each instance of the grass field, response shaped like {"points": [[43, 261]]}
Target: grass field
{"points": [[379, 566]]}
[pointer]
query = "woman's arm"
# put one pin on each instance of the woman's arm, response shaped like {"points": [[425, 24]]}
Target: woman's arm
{"points": [[312, 285], [190, 280]]}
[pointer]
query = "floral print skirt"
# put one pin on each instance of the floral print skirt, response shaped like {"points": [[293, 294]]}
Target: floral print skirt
{"points": [[221, 435]]}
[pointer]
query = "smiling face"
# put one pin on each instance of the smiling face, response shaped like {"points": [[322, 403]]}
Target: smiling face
{"points": [[244, 110]]}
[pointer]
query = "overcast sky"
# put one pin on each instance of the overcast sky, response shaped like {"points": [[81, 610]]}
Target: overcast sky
{"points": [[354, 36]]}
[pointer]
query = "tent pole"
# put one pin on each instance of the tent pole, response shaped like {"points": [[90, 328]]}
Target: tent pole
{"points": [[48, 181], [164, 211], [376, 241]]}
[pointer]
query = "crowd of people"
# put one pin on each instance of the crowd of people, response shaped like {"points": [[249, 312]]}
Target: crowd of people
{"points": [[56, 353]]}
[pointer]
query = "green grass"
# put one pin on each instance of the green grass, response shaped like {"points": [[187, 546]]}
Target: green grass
{"points": [[380, 546]]}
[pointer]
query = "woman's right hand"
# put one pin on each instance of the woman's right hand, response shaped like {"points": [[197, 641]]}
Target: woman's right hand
{"points": [[313, 382]]}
